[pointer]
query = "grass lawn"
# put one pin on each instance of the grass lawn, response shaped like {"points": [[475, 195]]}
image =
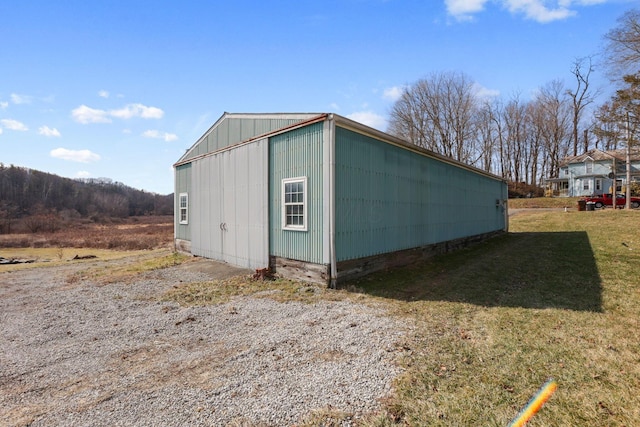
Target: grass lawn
{"points": [[544, 202], [558, 297]]}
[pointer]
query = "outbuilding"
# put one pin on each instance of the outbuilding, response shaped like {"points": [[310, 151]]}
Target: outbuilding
{"points": [[323, 198]]}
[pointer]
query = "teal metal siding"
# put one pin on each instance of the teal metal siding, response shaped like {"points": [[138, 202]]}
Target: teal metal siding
{"points": [[295, 154], [182, 185], [389, 198], [231, 131]]}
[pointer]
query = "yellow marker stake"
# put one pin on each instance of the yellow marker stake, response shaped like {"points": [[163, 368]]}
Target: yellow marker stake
{"points": [[535, 404]]}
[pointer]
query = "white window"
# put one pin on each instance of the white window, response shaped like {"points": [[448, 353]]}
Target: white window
{"points": [[598, 184], [586, 184], [183, 206], [566, 171], [588, 166], [294, 203]]}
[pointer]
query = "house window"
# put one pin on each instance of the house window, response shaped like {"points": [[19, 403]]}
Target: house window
{"points": [[566, 172], [618, 185], [589, 166], [598, 184], [586, 184], [294, 203], [183, 206]]}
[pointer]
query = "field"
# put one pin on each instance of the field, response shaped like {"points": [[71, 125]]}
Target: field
{"points": [[557, 298], [135, 233]]}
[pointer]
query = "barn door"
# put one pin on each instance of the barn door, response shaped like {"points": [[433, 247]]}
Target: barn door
{"points": [[234, 191]]}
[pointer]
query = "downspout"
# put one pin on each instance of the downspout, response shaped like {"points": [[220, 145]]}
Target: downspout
{"points": [[332, 199], [505, 204], [175, 209]]}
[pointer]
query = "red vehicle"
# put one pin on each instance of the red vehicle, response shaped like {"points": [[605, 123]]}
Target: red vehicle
{"points": [[607, 200]]}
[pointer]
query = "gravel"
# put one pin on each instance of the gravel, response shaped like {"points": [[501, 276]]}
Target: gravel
{"points": [[85, 354]]}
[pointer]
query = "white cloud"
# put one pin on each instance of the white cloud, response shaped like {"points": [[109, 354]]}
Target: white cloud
{"points": [[47, 131], [84, 115], [537, 10], [103, 94], [13, 125], [393, 93], [4, 104], [485, 93], [542, 11], [369, 118], [81, 156], [462, 9], [20, 99], [156, 134], [83, 174], [137, 110], [3, 131]]}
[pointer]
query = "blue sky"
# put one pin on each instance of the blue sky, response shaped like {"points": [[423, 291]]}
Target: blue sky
{"points": [[120, 89]]}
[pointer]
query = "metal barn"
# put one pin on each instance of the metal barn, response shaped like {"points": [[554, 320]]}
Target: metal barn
{"points": [[322, 198]]}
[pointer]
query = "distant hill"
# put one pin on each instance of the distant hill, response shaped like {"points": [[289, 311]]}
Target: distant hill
{"points": [[25, 192]]}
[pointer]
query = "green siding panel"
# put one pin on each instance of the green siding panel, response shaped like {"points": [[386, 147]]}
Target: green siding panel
{"points": [[232, 130], [389, 198], [183, 185], [295, 154]]}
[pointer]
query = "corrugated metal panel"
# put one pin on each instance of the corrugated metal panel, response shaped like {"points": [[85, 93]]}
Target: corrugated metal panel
{"points": [[293, 154], [229, 206], [231, 130], [389, 198], [182, 185]]}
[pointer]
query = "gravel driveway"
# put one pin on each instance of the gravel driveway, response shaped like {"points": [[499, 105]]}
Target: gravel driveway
{"points": [[85, 354]]}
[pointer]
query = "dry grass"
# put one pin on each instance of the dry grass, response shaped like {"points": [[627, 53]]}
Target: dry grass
{"points": [[222, 291], [127, 272], [557, 298], [135, 233], [544, 202]]}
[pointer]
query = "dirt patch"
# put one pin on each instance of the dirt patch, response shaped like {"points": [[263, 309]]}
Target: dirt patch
{"points": [[215, 270]]}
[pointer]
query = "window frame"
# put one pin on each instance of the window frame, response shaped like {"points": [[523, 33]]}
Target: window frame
{"points": [[588, 166], [184, 208], [303, 204]]}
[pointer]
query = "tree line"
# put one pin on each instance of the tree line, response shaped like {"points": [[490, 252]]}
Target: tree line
{"points": [[525, 140], [26, 192]]}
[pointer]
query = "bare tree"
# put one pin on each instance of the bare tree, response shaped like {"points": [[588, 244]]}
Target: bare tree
{"points": [[555, 124], [535, 144], [514, 119], [581, 97], [623, 45], [438, 113], [488, 136]]}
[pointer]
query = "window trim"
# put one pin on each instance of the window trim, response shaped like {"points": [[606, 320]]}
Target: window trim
{"points": [[588, 166], [183, 208], [295, 227]]}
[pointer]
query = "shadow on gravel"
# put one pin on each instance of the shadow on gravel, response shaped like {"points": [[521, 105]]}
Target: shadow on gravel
{"points": [[530, 270]]}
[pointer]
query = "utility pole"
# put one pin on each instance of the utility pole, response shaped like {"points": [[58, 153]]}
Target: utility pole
{"points": [[627, 203]]}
